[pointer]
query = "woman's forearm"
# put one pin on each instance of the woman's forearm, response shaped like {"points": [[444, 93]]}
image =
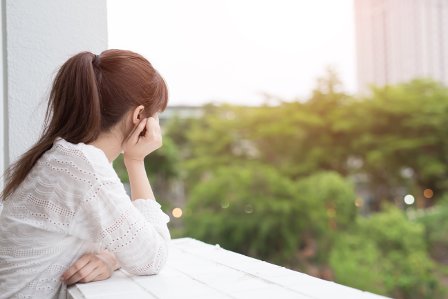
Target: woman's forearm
{"points": [[140, 187]]}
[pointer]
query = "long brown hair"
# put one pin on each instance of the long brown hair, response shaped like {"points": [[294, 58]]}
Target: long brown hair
{"points": [[90, 94]]}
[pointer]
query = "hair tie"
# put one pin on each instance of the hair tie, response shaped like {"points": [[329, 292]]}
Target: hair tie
{"points": [[96, 59]]}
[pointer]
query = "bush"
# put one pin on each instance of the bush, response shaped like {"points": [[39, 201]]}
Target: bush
{"points": [[390, 252], [251, 209], [436, 227], [328, 207], [254, 210]]}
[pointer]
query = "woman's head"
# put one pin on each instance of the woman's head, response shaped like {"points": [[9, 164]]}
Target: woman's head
{"points": [[92, 94]]}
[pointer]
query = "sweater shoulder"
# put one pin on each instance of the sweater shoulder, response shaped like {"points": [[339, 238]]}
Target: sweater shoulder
{"points": [[79, 161], [57, 185]]}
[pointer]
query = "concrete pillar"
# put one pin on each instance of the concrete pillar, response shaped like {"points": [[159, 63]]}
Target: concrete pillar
{"points": [[37, 38], [3, 94]]}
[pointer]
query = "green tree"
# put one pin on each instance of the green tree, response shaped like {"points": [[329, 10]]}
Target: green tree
{"points": [[403, 127], [250, 208], [254, 210], [436, 227], [393, 249], [327, 209]]}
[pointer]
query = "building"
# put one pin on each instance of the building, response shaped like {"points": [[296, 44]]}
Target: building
{"points": [[399, 40]]}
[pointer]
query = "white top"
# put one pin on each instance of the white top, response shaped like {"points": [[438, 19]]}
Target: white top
{"points": [[72, 202]]}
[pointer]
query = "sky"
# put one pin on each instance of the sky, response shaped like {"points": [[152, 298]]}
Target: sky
{"points": [[237, 51]]}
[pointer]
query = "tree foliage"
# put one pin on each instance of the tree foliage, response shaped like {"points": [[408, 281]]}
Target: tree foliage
{"points": [[393, 259], [250, 209], [254, 210]]}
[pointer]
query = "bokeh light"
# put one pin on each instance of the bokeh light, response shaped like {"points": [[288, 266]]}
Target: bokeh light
{"points": [[428, 193], [177, 212], [409, 199]]}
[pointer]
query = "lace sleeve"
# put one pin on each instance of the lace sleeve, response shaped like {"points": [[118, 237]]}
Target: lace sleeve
{"points": [[135, 231]]}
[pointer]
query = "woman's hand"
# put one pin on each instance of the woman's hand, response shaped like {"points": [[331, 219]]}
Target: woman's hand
{"points": [[91, 267], [137, 147]]}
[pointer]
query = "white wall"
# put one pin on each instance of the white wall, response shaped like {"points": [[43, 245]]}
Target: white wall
{"points": [[40, 37], [2, 97]]}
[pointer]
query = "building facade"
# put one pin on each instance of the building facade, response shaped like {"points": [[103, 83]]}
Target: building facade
{"points": [[399, 40]]}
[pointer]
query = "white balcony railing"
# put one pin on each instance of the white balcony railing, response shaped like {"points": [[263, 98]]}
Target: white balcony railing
{"points": [[198, 270]]}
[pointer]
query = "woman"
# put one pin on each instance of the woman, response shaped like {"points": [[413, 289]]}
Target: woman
{"points": [[66, 215]]}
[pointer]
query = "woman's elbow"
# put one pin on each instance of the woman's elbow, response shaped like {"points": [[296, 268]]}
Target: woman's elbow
{"points": [[154, 264]]}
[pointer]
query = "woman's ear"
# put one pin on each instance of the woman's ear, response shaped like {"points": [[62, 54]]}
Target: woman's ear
{"points": [[137, 114]]}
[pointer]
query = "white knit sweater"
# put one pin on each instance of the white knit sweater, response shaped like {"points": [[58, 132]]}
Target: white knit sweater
{"points": [[72, 202]]}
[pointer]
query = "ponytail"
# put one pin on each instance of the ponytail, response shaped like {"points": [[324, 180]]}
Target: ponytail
{"points": [[73, 113], [74, 102]]}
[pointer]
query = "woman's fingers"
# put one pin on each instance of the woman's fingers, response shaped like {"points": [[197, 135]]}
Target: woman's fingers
{"points": [[149, 127], [139, 145], [102, 275], [82, 273], [137, 131], [78, 265], [153, 133], [90, 267], [96, 272]]}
